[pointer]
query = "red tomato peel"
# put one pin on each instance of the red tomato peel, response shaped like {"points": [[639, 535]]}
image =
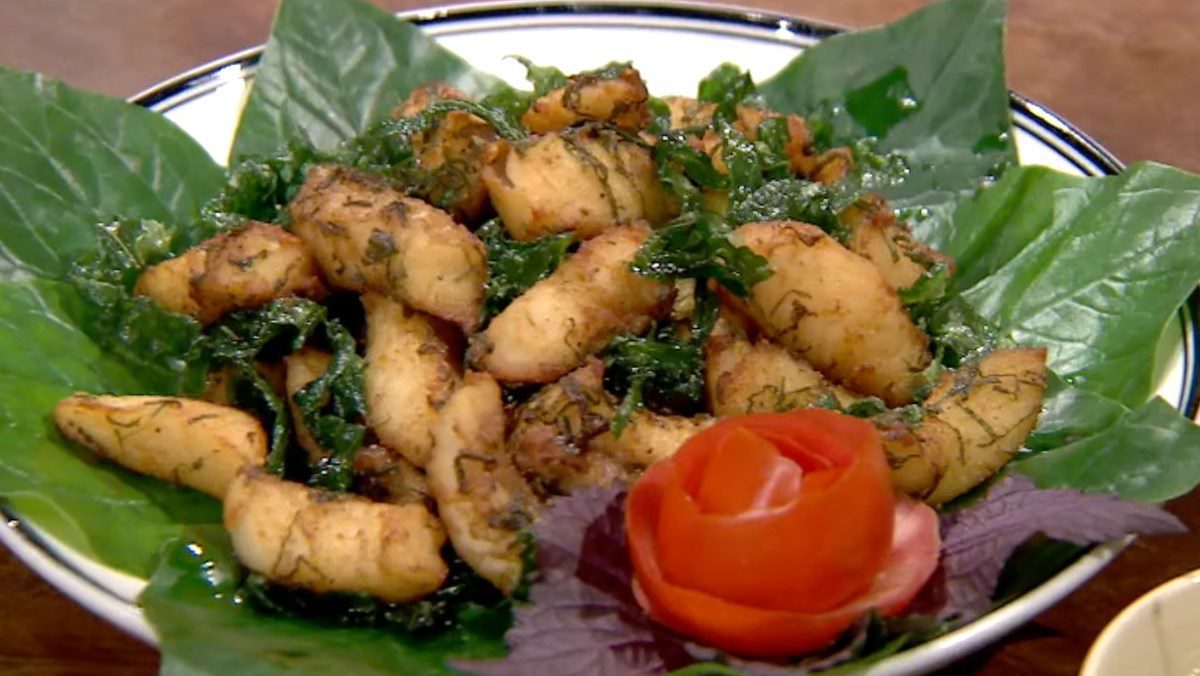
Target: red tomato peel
{"points": [[769, 535]]}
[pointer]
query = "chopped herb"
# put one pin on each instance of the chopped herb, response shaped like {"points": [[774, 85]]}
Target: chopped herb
{"points": [[380, 246]]}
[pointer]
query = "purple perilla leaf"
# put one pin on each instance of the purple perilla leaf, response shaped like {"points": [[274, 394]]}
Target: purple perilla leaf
{"points": [[978, 540]]}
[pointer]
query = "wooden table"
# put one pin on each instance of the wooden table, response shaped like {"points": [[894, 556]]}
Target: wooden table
{"points": [[1123, 70]]}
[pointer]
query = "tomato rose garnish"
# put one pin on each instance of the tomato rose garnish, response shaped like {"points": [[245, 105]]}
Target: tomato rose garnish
{"points": [[769, 535]]}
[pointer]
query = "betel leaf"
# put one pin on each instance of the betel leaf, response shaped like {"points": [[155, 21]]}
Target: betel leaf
{"points": [[333, 67], [997, 223], [1069, 415], [930, 86], [1151, 454], [1113, 260], [97, 508], [194, 603], [72, 159]]}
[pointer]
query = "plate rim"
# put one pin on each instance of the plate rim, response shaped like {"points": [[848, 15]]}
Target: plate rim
{"points": [[30, 546]]}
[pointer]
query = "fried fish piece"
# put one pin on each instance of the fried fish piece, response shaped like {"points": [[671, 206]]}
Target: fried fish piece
{"points": [[368, 237], [591, 298], [583, 180], [551, 432], [481, 497], [976, 418], [333, 542], [237, 270], [185, 441], [832, 307], [617, 96], [409, 374]]}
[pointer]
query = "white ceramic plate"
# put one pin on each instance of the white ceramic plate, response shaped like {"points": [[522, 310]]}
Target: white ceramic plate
{"points": [[206, 103], [1159, 635]]}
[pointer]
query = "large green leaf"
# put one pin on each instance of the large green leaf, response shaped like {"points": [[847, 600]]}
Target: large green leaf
{"points": [[930, 86], [1150, 454], [1098, 266], [71, 158], [205, 628], [115, 516], [332, 67]]}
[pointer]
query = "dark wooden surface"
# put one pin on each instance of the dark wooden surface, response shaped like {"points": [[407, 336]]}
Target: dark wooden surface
{"points": [[1123, 70]]}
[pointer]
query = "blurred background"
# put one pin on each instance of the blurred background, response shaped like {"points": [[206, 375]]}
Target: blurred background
{"points": [[1125, 71]]}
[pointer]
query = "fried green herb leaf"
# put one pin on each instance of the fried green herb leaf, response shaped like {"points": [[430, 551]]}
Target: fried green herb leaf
{"points": [[697, 245], [250, 391], [663, 371], [332, 408], [132, 327], [790, 199], [514, 266], [464, 597], [277, 328], [543, 78], [727, 86]]}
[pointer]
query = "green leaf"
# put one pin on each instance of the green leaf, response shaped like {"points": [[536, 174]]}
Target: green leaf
{"points": [[930, 86], [194, 603], [333, 407], [1114, 259], [994, 226], [698, 245], [103, 511], [1069, 415], [72, 159], [1151, 454], [727, 86], [333, 67], [131, 327], [515, 266]]}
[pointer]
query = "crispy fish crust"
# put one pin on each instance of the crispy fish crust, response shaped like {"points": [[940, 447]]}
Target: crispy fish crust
{"points": [[591, 298], [482, 499], [368, 237], [326, 542], [236, 270], [184, 441], [833, 308]]}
